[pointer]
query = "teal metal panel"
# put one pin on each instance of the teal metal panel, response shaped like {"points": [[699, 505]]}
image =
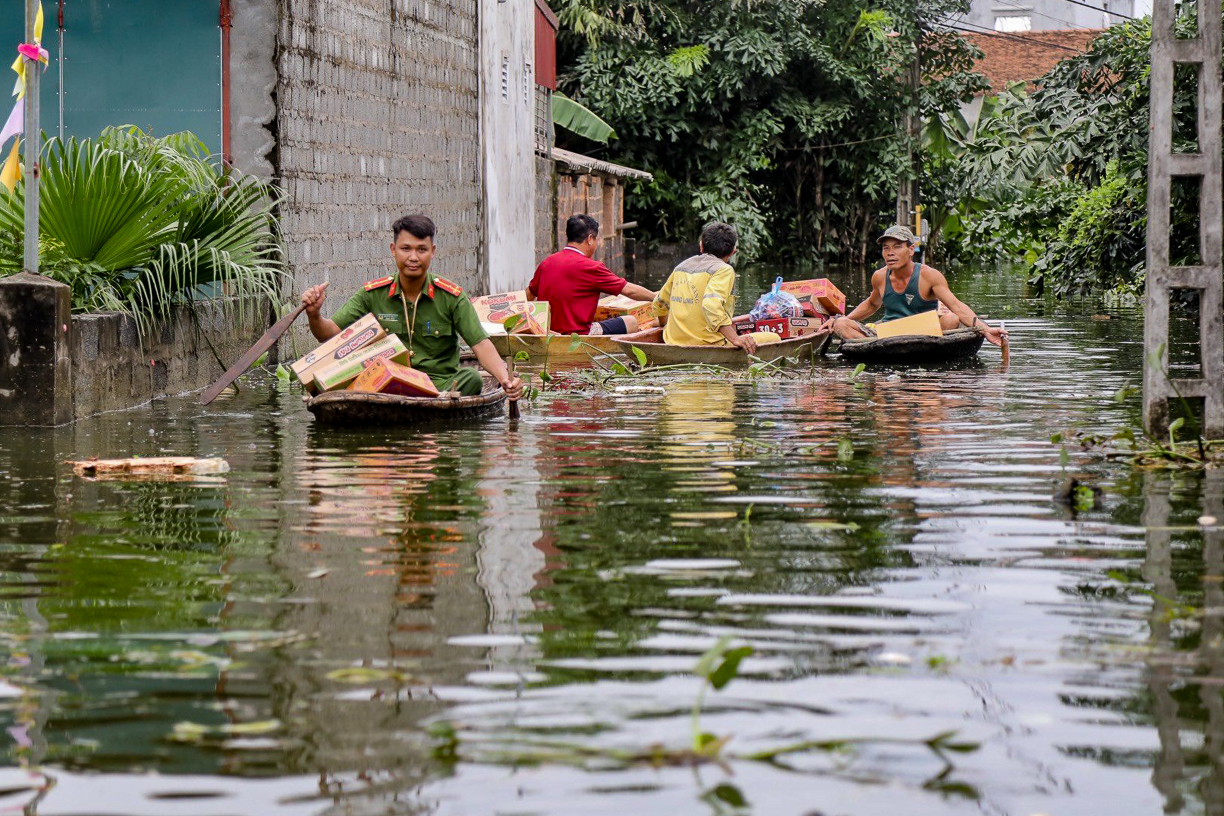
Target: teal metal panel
{"points": [[12, 34], [151, 63]]}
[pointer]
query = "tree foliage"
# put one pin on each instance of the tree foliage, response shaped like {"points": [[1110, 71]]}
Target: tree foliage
{"points": [[1058, 178], [779, 116]]}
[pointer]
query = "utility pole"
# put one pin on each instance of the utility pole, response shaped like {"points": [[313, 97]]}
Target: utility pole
{"points": [[1206, 277], [908, 213], [33, 148]]}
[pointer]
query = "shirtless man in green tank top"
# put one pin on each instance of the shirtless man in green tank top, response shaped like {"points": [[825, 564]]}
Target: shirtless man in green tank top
{"points": [[904, 288]]}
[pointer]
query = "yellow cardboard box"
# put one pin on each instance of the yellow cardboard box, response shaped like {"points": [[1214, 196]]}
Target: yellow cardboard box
{"points": [[536, 317], [818, 296], [925, 323], [361, 333], [622, 306], [341, 373]]}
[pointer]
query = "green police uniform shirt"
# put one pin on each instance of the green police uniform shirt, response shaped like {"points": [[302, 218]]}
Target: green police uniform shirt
{"points": [[443, 314]]}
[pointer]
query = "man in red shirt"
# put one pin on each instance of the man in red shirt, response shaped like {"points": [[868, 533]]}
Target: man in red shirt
{"points": [[572, 282]]}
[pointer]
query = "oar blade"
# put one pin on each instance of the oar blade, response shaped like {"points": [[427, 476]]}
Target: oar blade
{"points": [[252, 354]]}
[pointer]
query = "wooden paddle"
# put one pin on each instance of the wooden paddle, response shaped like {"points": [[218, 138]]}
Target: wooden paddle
{"points": [[514, 406], [253, 353], [1006, 346]]}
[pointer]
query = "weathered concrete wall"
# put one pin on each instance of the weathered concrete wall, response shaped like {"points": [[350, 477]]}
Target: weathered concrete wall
{"points": [[56, 367], [602, 198], [547, 241], [508, 110], [112, 369], [252, 84], [377, 117]]}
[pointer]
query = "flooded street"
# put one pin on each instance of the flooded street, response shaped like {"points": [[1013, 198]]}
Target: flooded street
{"points": [[278, 640]]}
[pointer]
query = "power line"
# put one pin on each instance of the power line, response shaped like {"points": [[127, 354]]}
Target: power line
{"points": [[1041, 14], [1104, 10], [1017, 37]]}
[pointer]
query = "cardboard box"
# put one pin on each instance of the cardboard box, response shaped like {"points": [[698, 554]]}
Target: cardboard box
{"points": [[926, 324], [788, 327], [743, 324], [622, 306], [386, 377], [499, 308], [341, 373], [361, 333], [496, 308], [536, 317], [818, 296]]}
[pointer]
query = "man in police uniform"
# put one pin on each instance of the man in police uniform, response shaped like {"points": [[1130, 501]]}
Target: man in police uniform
{"points": [[427, 312]]}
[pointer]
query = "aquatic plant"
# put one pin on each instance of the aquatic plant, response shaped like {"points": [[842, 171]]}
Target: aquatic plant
{"points": [[717, 668]]}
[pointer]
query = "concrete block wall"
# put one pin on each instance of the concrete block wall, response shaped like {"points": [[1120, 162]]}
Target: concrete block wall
{"points": [[113, 368], [547, 240], [377, 117]]}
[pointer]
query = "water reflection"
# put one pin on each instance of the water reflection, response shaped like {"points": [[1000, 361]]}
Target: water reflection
{"points": [[1186, 667], [277, 643]]}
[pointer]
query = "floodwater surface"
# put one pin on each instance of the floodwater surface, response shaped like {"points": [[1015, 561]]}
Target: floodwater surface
{"points": [[506, 619]]}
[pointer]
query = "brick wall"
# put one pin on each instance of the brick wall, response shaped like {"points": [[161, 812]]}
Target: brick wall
{"points": [[604, 199], [377, 116]]}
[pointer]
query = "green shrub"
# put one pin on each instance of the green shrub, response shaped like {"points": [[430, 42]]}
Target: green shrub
{"points": [[139, 225]]}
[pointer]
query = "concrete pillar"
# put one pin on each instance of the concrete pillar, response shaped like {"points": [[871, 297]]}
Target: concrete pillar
{"points": [[35, 365]]}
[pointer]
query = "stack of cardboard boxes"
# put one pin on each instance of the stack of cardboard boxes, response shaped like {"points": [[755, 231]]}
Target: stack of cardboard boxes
{"points": [[495, 310], [818, 296], [344, 360]]}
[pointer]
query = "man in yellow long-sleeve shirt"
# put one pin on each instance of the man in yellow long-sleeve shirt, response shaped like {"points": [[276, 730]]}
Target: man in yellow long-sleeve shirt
{"points": [[696, 304]]}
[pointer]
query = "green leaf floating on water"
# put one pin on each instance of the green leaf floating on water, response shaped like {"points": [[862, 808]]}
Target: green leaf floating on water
{"points": [[845, 450], [638, 355], [194, 732], [283, 374], [1085, 498], [361, 674], [848, 526]]}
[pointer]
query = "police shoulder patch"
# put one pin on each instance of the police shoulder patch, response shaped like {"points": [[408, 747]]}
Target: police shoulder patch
{"points": [[448, 286], [379, 283]]}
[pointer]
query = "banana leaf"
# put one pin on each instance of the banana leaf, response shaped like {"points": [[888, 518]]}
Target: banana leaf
{"points": [[576, 119]]}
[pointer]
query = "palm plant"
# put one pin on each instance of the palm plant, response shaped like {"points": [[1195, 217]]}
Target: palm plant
{"points": [[140, 225]]}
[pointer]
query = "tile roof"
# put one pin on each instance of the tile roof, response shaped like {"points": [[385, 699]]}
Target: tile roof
{"points": [[1027, 56]]}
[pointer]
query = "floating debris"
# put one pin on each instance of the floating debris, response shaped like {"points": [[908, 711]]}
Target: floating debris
{"points": [[151, 467]]}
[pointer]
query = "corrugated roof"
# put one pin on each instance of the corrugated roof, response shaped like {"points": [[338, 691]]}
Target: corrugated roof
{"points": [[1027, 56], [585, 164]]}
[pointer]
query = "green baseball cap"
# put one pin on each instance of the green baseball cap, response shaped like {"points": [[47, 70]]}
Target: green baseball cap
{"points": [[899, 232]]}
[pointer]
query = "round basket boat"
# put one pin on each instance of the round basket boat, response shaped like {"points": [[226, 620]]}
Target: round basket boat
{"points": [[357, 408], [959, 344]]}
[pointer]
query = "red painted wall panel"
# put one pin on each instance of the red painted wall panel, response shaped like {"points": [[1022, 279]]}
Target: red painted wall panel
{"points": [[545, 46]]}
